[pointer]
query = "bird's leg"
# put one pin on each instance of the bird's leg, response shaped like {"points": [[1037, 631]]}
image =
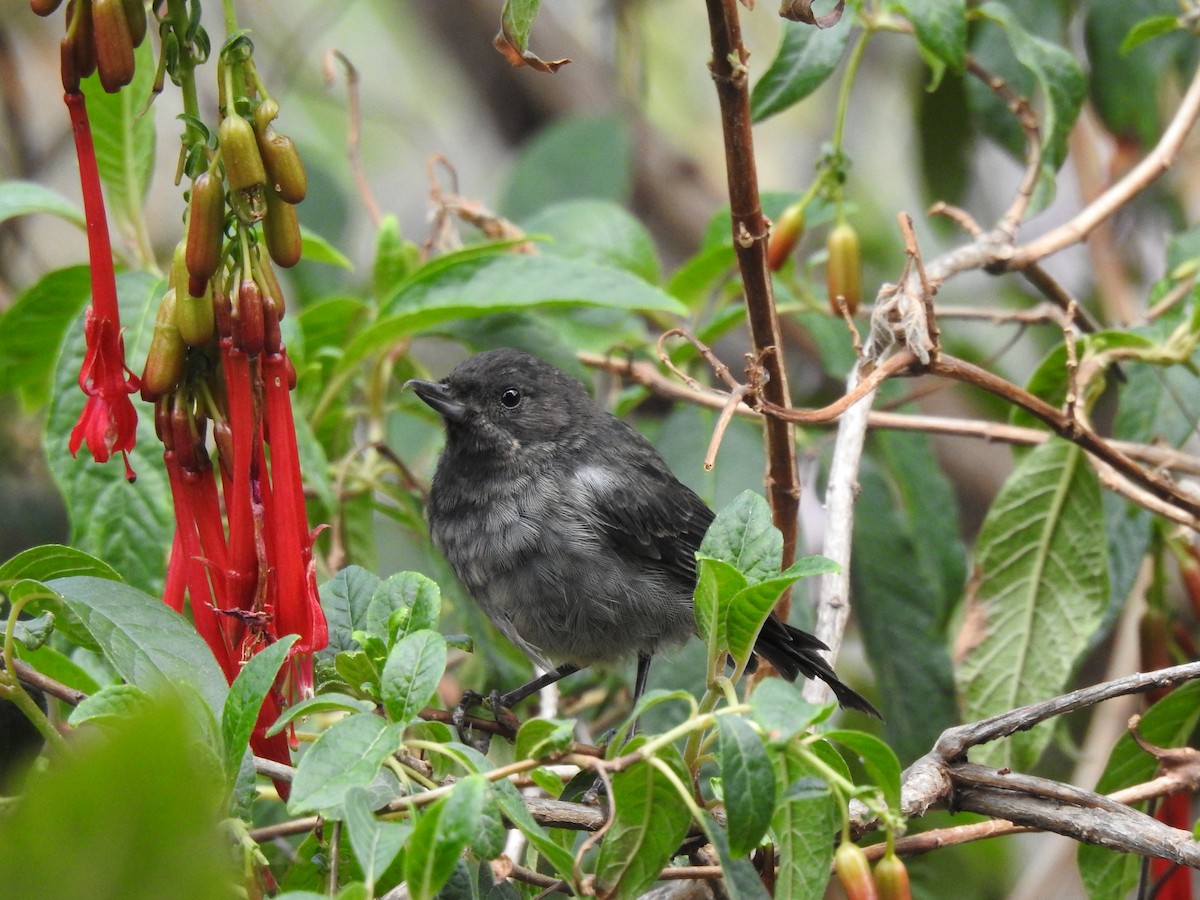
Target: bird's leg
{"points": [[639, 686], [513, 697]]}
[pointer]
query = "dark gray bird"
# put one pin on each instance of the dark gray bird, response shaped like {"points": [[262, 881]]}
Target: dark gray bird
{"points": [[569, 530]]}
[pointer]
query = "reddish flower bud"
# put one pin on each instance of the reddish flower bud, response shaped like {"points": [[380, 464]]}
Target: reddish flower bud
{"points": [[854, 872], [164, 361], [44, 7], [891, 878], [281, 230], [206, 229], [784, 237], [195, 318], [135, 12], [223, 313], [239, 150], [248, 319], [114, 44], [843, 271]]}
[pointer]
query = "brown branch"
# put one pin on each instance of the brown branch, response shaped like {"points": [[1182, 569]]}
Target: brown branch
{"points": [[750, 228], [46, 684], [354, 124]]}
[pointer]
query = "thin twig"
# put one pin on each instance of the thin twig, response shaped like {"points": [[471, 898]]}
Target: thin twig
{"points": [[353, 127]]}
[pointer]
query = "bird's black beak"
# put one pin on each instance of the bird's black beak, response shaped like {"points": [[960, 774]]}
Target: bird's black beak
{"points": [[440, 397]]}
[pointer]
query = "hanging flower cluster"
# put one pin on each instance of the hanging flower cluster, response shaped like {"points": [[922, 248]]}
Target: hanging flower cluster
{"points": [[242, 552]]}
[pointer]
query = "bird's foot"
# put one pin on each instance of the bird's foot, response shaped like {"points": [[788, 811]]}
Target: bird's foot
{"points": [[476, 737]]}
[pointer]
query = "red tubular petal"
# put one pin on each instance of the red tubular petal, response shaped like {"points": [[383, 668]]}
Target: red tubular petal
{"points": [[176, 584], [242, 563]]}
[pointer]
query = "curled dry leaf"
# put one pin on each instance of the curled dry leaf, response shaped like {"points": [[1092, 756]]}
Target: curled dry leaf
{"points": [[510, 47], [802, 11]]}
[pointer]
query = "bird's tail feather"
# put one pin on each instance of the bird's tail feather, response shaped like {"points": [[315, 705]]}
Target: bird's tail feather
{"points": [[794, 653]]}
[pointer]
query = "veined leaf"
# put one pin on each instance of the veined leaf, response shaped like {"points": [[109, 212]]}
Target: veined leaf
{"points": [[1040, 590], [803, 826], [346, 756], [749, 783], [806, 57]]}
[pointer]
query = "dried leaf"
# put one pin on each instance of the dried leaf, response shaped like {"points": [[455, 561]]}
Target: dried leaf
{"points": [[802, 11], [517, 55]]}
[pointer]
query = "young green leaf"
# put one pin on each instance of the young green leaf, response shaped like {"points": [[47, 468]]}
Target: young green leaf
{"points": [[743, 535], [411, 674], [741, 880], [345, 756], [749, 782], [113, 701], [375, 843], [806, 57], [782, 712], [245, 699], [345, 599], [406, 602], [541, 737], [880, 762], [319, 704], [441, 834]]}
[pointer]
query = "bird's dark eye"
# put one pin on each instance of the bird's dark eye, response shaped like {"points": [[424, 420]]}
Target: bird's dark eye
{"points": [[510, 398]]}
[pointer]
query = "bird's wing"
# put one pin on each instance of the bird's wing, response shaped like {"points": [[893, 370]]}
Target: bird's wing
{"points": [[640, 508]]}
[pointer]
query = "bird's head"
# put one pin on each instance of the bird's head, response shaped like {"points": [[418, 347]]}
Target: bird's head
{"points": [[506, 402]]}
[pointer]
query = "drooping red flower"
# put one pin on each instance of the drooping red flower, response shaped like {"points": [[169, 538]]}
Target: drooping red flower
{"points": [[109, 422]]}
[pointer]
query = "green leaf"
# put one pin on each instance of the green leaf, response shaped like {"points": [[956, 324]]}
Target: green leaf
{"points": [[134, 533], [571, 159], [782, 712], [1040, 592], [743, 535], [748, 609], [1168, 723], [376, 843], [53, 561], [1147, 30], [24, 198], [410, 677], [406, 602], [803, 825], [749, 783], [32, 328], [345, 598], [113, 701], [60, 667], [538, 738], [716, 582], [1063, 87], [148, 643], [940, 26], [741, 880], [124, 137], [442, 833], [512, 804], [345, 756], [321, 703], [395, 258], [806, 57], [245, 699], [142, 824], [649, 822], [597, 231], [880, 763], [314, 248]]}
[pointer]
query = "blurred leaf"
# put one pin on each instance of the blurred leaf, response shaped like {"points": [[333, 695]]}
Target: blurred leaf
{"points": [[61, 668], [649, 822], [741, 880], [1168, 723], [441, 834], [124, 138], [32, 328], [148, 643], [598, 231], [110, 703], [142, 822], [345, 756], [1148, 29], [395, 259], [314, 248], [516, 20], [345, 599], [23, 198], [749, 783], [538, 738], [1062, 85], [411, 675], [1040, 591], [803, 825], [376, 843], [245, 699], [568, 160], [947, 141], [134, 533], [806, 57]]}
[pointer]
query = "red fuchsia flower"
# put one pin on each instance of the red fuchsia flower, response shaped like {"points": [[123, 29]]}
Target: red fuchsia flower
{"points": [[108, 422]]}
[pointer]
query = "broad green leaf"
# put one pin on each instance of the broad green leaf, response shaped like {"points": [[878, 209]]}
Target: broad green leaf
{"points": [[1062, 85], [806, 57], [541, 737], [597, 231], [410, 677], [744, 536], [908, 513], [406, 602], [319, 704], [441, 834], [877, 759], [133, 814], [347, 755], [148, 643], [741, 880], [53, 561], [649, 822], [133, 533], [748, 609], [940, 26], [568, 160], [376, 843], [32, 328], [505, 283], [692, 283], [749, 783], [512, 804], [717, 581], [245, 699], [124, 137], [1168, 723], [113, 701], [24, 198], [782, 712], [345, 599], [803, 825], [314, 248], [1040, 592]]}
